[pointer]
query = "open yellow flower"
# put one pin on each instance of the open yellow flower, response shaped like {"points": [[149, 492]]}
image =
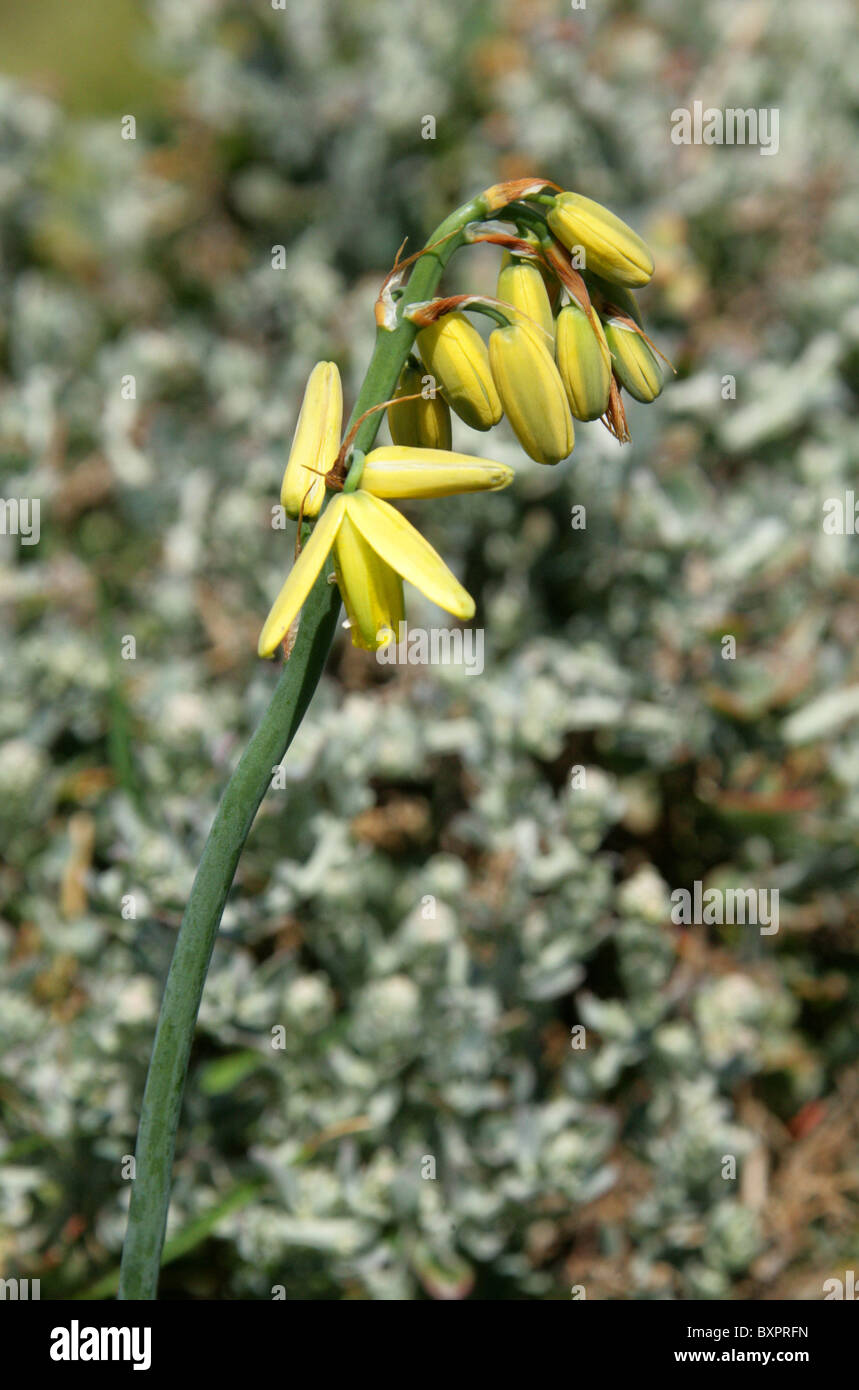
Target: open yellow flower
{"points": [[375, 548], [371, 590]]}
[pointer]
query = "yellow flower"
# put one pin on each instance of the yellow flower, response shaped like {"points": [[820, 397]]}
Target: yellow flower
{"points": [[611, 248], [371, 590], [455, 354], [584, 362], [316, 442], [424, 422], [532, 393], [635, 363], [521, 284], [375, 548]]}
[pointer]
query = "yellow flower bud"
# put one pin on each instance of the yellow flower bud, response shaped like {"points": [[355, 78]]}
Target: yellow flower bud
{"points": [[635, 363], [532, 393], [423, 423], [316, 442], [521, 284], [394, 471], [611, 248], [455, 354], [584, 362]]}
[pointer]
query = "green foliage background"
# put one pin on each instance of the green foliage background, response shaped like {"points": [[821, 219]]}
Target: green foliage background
{"points": [[412, 1035]]}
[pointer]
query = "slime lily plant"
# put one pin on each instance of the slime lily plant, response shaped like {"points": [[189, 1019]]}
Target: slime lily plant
{"points": [[567, 341]]}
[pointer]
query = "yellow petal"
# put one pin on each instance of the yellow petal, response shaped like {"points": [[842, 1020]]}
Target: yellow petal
{"points": [[397, 542], [316, 442], [396, 471], [301, 578], [372, 592]]}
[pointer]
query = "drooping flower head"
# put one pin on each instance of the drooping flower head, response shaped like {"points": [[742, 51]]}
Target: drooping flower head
{"points": [[569, 341]]}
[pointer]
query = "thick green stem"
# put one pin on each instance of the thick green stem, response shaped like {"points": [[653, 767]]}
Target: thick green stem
{"points": [[165, 1082]]}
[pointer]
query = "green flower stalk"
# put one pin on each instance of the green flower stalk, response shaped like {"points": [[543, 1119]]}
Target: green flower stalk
{"points": [[342, 495]]}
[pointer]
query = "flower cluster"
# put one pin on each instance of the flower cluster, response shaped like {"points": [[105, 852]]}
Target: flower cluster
{"points": [[568, 340], [570, 337]]}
